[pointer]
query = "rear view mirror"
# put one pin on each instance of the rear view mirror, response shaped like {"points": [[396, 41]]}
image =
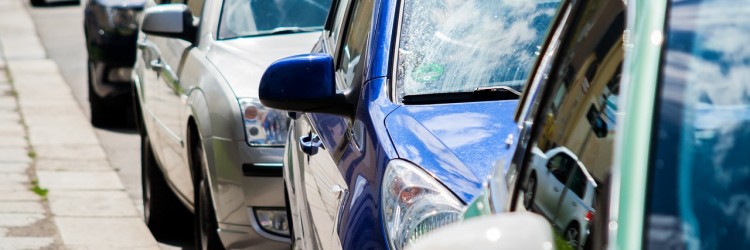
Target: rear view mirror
{"points": [[517, 230], [169, 20], [304, 83]]}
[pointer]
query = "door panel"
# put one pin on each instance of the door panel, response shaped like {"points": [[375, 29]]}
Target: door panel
{"points": [[325, 188], [168, 109]]}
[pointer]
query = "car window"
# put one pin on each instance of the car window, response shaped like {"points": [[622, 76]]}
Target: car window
{"points": [[699, 183], [196, 7], [560, 166], [245, 18], [338, 21], [576, 116], [578, 183], [450, 46], [356, 34]]}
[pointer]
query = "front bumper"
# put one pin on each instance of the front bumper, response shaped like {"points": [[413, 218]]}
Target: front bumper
{"points": [[238, 192]]}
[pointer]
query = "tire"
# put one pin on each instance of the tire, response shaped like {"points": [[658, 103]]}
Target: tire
{"points": [[162, 211], [206, 227], [37, 3], [572, 234], [530, 193]]}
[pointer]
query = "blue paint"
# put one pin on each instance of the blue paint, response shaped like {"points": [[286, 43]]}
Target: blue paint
{"points": [[458, 143]]}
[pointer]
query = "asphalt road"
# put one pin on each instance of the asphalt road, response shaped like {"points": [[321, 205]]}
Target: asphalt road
{"points": [[61, 30]]}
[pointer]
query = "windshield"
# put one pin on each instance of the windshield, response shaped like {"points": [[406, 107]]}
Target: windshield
{"points": [[242, 18], [460, 45], [699, 188]]}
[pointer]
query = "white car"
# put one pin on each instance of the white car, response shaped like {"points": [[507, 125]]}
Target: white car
{"points": [[561, 189], [206, 138]]}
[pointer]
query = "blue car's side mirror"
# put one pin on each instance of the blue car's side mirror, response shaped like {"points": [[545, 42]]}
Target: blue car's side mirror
{"points": [[305, 83]]}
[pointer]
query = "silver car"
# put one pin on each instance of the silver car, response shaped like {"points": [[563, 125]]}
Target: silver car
{"points": [[562, 190], [207, 142]]}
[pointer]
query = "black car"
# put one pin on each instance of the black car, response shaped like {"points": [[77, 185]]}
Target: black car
{"points": [[111, 28]]}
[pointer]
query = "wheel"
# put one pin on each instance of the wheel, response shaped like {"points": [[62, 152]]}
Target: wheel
{"points": [[206, 233], [529, 194], [572, 234], [38, 3], [162, 212]]}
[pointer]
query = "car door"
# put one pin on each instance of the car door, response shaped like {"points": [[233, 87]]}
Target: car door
{"points": [[165, 95], [325, 188], [572, 207], [551, 184]]}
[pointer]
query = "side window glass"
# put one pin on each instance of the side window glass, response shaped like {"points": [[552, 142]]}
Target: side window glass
{"points": [[338, 21], [576, 118], [355, 42], [196, 6], [560, 167]]}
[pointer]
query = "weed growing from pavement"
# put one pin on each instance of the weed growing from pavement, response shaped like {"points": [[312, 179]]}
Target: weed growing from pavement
{"points": [[38, 190], [32, 154]]}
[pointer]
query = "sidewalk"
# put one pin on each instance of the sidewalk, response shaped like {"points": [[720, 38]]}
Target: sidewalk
{"points": [[47, 143]]}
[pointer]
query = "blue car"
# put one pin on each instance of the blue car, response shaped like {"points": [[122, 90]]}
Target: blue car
{"points": [[399, 114]]}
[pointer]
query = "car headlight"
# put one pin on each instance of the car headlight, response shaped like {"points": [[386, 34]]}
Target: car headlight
{"points": [[263, 126], [123, 20], [414, 203]]}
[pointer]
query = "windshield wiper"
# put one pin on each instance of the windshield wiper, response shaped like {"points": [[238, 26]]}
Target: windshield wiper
{"points": [[283, 30], [479, 94]]}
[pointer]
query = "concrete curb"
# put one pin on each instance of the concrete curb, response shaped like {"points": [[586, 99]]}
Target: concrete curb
{"points": [[88, 205]]}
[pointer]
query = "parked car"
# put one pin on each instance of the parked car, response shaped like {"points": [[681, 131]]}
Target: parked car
{"points": [[399, 115], [111, 28], [561, 189], [677, 169], [206, 136]]}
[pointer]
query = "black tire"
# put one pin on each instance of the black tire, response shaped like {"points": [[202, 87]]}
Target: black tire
{"points": [[37, 3], [572, 234], [206, 227], [162, 211], [530, 192]]}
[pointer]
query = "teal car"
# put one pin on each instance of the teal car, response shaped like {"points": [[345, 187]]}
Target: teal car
{"points": [[655, 106]]}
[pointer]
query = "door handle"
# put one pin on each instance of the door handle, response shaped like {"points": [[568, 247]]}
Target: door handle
{"points": [[310, 144], [574, 204], [556, 189], [156, 65]]}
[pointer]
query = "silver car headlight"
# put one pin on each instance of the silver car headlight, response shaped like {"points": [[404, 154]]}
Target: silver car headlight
{"points": [[263, 126], [414, 203], [123, 20]]}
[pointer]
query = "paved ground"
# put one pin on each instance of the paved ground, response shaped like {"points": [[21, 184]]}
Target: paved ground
{"points": [[48, 145]]}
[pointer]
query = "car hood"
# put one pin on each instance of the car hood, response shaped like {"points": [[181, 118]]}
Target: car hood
{"points": [[242, 61], [459, 144]]}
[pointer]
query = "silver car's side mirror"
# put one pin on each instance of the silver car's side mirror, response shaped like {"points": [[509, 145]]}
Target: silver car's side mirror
{"points": [[169, 20], [516, 230]]}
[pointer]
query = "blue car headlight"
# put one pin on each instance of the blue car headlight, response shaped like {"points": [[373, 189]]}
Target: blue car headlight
{"points": [[414, 203], [263, 126]]}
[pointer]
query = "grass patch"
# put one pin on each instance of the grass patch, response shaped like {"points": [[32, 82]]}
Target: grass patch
{"points": [[38, 190]]}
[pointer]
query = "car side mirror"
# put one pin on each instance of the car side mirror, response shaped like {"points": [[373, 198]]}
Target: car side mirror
{"points": [[304, 83], [170, 20], [512, 230]]}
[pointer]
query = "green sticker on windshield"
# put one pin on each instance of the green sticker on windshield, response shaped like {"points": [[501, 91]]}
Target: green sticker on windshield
{"points": [[429, 72]]}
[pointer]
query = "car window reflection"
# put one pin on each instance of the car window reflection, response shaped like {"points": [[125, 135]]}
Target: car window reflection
{"points": [[566, 175]]}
